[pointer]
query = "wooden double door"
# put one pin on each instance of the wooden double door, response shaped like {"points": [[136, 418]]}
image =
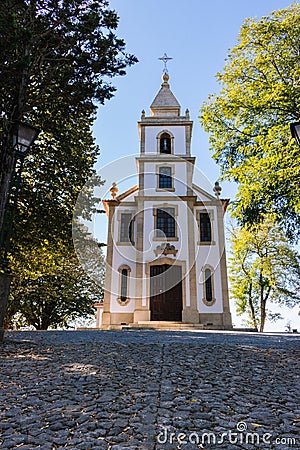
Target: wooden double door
{"points": [[166, 292]]}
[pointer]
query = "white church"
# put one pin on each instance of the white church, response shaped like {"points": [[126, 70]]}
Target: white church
{"points": [[166, 261]]}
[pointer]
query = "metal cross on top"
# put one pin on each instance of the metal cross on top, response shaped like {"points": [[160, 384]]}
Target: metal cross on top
{"points": [[165, 58]]}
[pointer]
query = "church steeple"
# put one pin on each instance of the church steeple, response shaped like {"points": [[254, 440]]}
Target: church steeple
{"points": [[165, 131], [165, 102]]}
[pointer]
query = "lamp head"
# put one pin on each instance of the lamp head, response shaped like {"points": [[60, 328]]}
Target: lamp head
{"points": [[295, 130], [24, 136]]}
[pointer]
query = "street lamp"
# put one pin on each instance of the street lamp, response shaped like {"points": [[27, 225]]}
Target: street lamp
{"points": [[295, 130], [23, 136]]}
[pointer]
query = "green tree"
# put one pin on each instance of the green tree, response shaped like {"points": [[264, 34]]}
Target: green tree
{"points": [[50, 288], [56, 62], [56, 58], [248, 120], [263, 269]]}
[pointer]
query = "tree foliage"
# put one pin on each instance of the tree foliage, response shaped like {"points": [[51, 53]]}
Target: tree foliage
{"points": [[264, 269], [56, 58], [53, 293], [249, 119], [56, 62]]}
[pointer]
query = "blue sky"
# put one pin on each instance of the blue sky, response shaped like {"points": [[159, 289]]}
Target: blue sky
{"points": [[198, 35]]}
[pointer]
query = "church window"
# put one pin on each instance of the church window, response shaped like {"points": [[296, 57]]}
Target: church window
{"points": [[165, 178], [126, 228], [165, 143], [124, 285], [208, 285], [165, 222], [124, 274], [205, 227]]}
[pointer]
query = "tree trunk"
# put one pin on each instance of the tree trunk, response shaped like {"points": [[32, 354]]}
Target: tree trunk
{"points": [[5, 280], [263, 307], [6, 169], [262, 304], [7, 151], [262, 316], [252, 310], [45, 323]]}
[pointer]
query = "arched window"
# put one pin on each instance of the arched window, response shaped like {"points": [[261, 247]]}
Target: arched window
{"points": [[124, 285], [123, 297], [165, 143], [209, 298], [208, 285]]}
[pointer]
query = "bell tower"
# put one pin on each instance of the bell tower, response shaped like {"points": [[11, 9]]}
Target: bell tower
{"points": [[165, 139], [165, 114]]}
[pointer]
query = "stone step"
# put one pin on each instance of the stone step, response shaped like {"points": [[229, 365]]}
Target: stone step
{"points": [[163, 325]]}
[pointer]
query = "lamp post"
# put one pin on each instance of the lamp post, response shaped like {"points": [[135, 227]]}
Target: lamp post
{"points": [[295, 130], [23, 137]]}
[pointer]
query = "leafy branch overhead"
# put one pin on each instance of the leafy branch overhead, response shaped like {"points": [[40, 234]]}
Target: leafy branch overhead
{"points": [[249, 119], [57, 60], [59, 52]]}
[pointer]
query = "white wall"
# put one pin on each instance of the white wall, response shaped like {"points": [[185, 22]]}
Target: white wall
{"points": [[209, 255], [122, 254]]}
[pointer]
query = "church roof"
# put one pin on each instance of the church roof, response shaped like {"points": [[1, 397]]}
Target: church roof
{"points": [[127, 193], [165, 99], [116, 201]]}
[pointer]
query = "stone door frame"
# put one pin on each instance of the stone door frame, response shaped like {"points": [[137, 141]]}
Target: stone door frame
{"points": [[160, 262]]}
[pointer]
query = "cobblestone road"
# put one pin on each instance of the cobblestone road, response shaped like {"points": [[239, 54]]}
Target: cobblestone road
{"points": [[149, 390]]}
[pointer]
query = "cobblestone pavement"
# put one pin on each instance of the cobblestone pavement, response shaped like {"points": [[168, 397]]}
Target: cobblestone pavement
{"points": [[149, 390]]}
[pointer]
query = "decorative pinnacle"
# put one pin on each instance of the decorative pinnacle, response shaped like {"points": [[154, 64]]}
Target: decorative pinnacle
{"points": [[217, 189], [114, 190], [165, 58]]}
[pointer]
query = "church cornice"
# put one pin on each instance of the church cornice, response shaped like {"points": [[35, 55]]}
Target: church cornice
{"points": [[167, 198], [158, 157], [155, 198], [109, 203], [154, 121]]}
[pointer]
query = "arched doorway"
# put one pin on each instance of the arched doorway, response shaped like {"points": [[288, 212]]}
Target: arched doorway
{"points": [[166, 292]]}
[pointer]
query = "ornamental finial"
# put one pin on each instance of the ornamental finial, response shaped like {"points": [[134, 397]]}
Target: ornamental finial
{"points": [[114, 190], [217, 189]]}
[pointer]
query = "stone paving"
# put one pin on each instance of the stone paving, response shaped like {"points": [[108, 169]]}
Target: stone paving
{"points": [[149, 390]]}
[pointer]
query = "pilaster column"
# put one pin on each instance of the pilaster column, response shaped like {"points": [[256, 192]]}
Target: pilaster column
{"points": [[109, 260], [142, 139], [188, 137], [227, 322], [5, 281], [190, 314], [141, 313]]}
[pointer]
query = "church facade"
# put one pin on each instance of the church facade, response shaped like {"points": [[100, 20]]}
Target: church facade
{"points": [[166, 260]]}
